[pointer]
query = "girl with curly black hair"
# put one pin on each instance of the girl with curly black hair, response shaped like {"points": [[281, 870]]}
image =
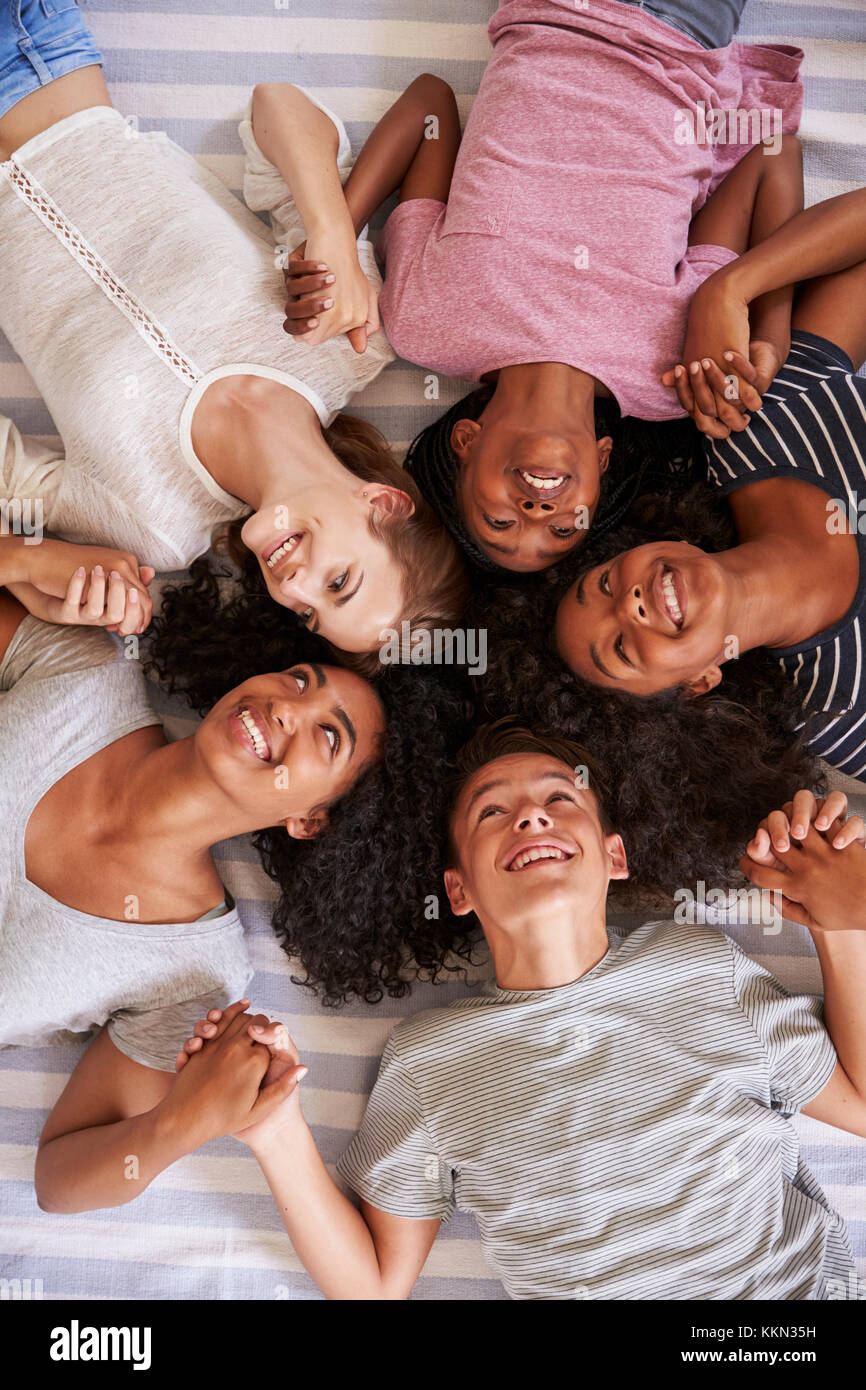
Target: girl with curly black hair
{"points": [[688, 777], [113, 916], [359, 904], [787, 584]]}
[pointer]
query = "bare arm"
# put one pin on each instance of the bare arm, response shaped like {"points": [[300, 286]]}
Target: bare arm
{"points": [[14, 560], [301, 141], [843, 966], [103, 1143], [829, 237], [821, 875], [759, 196], [412, 148], [826, 246], [827, 241], [351, 1254], [119, 1124]]}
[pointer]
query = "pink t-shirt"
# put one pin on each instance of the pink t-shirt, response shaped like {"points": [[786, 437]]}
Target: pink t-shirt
{"points": [[565, 233]]}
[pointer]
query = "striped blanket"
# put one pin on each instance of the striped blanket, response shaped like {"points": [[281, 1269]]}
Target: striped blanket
{"points": [[208, 1227]]}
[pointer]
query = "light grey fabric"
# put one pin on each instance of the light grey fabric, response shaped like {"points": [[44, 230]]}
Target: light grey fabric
{"points": [[66, 693], [621, 1137]]}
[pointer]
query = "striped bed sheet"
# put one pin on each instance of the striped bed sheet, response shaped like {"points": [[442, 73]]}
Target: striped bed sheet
{"points": [[208, 1227]]}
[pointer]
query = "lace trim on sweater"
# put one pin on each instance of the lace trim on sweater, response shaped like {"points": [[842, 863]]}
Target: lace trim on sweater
{"points": [[50, 215]]}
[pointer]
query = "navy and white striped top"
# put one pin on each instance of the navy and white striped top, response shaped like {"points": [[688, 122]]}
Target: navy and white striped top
{"points": [[620, 1137], [812, 426]]}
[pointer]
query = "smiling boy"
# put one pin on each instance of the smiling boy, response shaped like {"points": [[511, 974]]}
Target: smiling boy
{"points": [[613, 1110]]}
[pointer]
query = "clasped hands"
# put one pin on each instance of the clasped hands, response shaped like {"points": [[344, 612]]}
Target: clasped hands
{"points": [[814, 855], [723, 373], [328, 293], [238, 1074]]}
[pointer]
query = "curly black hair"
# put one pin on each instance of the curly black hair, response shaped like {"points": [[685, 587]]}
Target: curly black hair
{"points": [[362, 906], [645, 454], [690, 778]]}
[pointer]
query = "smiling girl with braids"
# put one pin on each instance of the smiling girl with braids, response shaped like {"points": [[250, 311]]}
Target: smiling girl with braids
{"points": [[531, 261]]}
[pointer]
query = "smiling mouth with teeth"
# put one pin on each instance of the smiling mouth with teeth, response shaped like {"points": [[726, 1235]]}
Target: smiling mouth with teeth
{"points": [[669, 594], [247, 722], [284, 549], [539, 483], [534, 854]]}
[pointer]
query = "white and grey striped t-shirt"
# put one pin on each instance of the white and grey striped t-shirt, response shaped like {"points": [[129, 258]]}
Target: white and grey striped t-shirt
{"points": [[621, 1137], [812, 427]]}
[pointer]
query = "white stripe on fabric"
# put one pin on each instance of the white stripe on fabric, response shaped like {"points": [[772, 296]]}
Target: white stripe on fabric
{"points": [[142, 321], [815, 670], [163, 101], [65, 1238], [394, 38]]}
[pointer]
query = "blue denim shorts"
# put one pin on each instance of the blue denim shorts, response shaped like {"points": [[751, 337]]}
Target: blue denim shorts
{"points": [[712, 25], [40, 40]]}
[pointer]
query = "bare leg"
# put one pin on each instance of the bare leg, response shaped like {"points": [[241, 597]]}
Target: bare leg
{"points": [[43, 108]]}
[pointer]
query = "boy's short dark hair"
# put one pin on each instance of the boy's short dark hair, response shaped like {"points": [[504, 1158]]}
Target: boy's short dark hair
{"points": [[508, 736]]}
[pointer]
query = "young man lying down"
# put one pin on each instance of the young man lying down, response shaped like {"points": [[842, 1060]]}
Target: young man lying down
{"points": [[614, 1111]]}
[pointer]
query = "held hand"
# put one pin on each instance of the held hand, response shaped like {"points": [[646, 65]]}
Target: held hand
{"points": [[308, 290], [701, 393], [718, 324], [216, 1091], [284, 1073], [761, 367], [329, 294], [792, 822], [87, 585], [89, 602], [282, 1081], [816, 859]]}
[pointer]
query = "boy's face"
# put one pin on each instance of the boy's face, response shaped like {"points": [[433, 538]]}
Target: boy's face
{"points": [[529, 837]]}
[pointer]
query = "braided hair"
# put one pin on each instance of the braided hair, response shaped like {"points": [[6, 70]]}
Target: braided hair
{"points": [[645, 454]]}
